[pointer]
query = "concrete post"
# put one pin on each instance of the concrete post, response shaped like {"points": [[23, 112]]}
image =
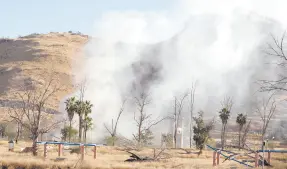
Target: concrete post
{"points": [[214, 158], [60, 148], [82, 148], [95, 152], [217, 158]]}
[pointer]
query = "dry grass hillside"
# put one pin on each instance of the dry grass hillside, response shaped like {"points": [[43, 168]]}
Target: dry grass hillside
{"points": [[32, 58]]}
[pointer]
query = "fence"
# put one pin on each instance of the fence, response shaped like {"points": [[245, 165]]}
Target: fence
{"points": [[218, 152], [61, 144]]}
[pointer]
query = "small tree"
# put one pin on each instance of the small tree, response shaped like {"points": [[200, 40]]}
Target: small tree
{"points": [[192, 99], [201, 131], [245, 132], [266, 111], [143, 120], [88, 125], [241, 121], [3, 127], [113, 131], [68, 132], [70, 108], [32, 106], [177, 116], [224, 115]]}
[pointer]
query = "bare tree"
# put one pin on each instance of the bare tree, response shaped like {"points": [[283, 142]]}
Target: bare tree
{"points": [[245, 132], [276, 50], [177, 116], [192, 96], [19, 127], [224, 115], [113, 130], [266, 111], [144, 120], [3, 127], [33, 108]]}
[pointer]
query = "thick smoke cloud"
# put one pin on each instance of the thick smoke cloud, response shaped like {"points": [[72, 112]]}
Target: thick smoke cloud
{"points": [[216, 43]]}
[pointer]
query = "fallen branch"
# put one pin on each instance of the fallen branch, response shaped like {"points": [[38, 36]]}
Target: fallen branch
{"points": [[136, 158]]}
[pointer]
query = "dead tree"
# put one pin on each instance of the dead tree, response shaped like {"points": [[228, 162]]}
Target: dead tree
{"points": [[32, 107], [266, 111], [113, 130], [276, 50], [177, 115], [224, 115], [192, 95], [245, 132], [3, 127], [144, 120], [19, 130]]}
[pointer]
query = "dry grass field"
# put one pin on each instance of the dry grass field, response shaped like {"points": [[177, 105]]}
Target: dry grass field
{"points": [[111, 157]]}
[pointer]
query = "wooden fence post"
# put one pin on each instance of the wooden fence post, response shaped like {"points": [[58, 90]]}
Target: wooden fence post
{"points": [[214, 158], [269, 157], [256, 160], [95, 152], [45, 151]]}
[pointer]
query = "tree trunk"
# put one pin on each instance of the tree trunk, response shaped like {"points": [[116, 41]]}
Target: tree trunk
{"points": [[139, 134], [113, 140], [34, 145], [70, 128], [174, 138], [223, 136], [85, 134], [190, 134], [239, 137], [18, 133], [80, 128]]}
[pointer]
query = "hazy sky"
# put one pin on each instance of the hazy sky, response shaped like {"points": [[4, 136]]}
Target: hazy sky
{"points": [[22, 17]]}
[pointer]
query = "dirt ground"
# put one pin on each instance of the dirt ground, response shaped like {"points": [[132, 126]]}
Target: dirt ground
{"points": [[112, 157]]}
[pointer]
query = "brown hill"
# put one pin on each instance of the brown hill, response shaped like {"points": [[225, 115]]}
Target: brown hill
{"points": [[29, 59]]}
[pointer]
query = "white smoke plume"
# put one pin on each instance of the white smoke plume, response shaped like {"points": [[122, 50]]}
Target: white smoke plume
{"points": [[218, 43]]}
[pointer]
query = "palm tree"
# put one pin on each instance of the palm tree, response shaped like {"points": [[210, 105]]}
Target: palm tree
{"points": [[241, 121], [83, 108], [88, 125], [79, 110], [70, 108], [87, 120], [224, 116]]}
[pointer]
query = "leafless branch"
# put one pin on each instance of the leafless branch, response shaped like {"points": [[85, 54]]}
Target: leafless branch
{"points": [[266, 111], [276, 49]]}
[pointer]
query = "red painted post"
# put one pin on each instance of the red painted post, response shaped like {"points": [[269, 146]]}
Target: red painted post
{"points": [[95, 152], [214, 158], [59, 150], [256, 160], [45, 151], [217, 158], [82, 148], [269, 157]]}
